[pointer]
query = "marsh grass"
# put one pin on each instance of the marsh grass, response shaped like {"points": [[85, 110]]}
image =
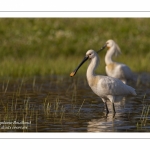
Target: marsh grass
{"points": [[144, 118], [80, 107], [50, 46], [27, 100], [16, 106], [53, 109], [51, 103]]}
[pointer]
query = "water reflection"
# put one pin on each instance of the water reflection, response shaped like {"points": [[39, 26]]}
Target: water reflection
{"points": [[131, 115], [108, 123], [62, 104]]}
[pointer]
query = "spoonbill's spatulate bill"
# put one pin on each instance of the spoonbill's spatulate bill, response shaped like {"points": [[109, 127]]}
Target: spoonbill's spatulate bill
{"points": [[115, 69], [107, 88]]}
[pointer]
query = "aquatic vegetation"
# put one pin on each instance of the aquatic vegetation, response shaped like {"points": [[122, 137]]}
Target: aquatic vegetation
{"points": [[145, 115], [80, 107], [62, 104], [26, 100]]}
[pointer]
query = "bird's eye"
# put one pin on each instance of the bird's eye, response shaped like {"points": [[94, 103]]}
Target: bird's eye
{"points": [[90, 54]]}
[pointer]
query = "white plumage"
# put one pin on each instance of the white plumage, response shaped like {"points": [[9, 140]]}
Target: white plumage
{"points": [[115, 69], [107, 88]]}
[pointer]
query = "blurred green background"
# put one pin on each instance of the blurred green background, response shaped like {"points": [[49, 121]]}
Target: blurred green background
{"points": [[55, 46]]}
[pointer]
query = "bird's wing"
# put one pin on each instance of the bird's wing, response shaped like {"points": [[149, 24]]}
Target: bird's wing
{"points": [[125, 71], [113, 86]]}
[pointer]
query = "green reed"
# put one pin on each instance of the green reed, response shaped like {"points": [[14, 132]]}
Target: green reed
{"points": [[18, 103], [144, 114], [80, 107], [53, 109]]}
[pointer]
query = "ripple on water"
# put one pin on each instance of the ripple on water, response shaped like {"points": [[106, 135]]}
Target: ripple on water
{"points": [[62, 104]]}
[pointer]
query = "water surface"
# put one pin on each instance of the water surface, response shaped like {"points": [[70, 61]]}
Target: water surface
{"points": [[64, 104]]}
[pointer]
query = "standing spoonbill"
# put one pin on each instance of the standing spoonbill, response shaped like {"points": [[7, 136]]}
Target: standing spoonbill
{"points": [[107, 88], [115, 69]]}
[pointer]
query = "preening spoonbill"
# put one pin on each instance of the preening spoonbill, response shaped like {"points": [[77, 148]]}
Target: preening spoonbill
{"points": [[107, 88], [115, 69]]}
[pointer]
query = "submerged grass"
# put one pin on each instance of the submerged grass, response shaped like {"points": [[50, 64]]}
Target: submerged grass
{"points": [[41, 106], [144, 118], [45, 46], [25, 105]]}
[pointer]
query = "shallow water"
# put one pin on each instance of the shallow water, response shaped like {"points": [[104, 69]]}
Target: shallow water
{"points": [[64, 104]]}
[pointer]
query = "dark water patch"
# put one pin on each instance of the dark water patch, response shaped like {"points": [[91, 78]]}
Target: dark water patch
{"points": [[63, 104]]}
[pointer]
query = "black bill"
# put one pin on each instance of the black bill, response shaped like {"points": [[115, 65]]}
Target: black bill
{"points": [[75, 71], [102, 48]]}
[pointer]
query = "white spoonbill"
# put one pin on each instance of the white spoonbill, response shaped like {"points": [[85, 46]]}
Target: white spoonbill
{"points": [[107, 88], [115, 69]]}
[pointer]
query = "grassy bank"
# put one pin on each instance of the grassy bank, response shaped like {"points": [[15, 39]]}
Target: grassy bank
{"points": [[48, 46]]}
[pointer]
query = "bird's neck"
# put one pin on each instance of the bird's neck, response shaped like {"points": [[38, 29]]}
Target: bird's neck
{"points": [[91, 68], [109, 55]]}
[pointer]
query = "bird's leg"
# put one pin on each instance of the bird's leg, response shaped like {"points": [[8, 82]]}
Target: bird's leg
{"points": [[107, 111], [113, 108]]}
